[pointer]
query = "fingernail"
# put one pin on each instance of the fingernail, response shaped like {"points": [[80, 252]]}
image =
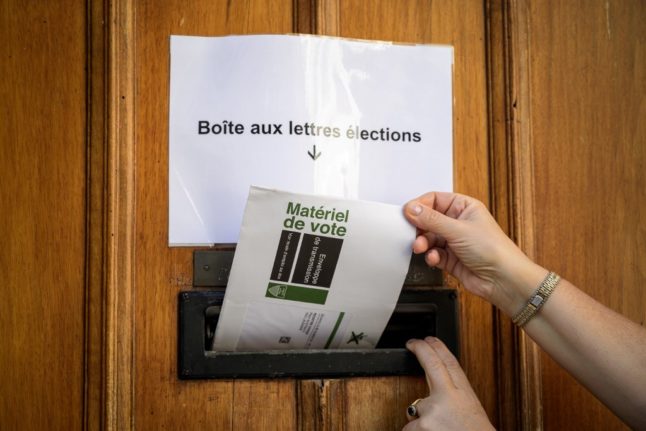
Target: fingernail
{"points": [[410, 341], [430, 339], [415, 208]]}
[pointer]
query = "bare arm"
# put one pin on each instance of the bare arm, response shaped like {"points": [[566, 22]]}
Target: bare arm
{"points": [[603, 350]]}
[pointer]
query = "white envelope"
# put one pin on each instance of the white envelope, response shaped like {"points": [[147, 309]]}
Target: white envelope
{"points": [[313, 272]]}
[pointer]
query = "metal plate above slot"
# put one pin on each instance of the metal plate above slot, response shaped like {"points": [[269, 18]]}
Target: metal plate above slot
{"points": [[211, 269], [420, 274], [418, 314]]}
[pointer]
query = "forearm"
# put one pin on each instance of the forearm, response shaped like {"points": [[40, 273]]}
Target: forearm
{"points": [[603, 350]]}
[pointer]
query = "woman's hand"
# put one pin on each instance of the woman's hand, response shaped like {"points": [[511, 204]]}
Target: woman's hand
{"points": [[603, 350], [452, 404], [459, 235]]}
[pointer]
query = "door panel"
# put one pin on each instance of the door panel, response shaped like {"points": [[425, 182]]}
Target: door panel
{"points": [[545, 95], [588, 101], [42, 214], [462, 25], [161, 400], [368, 403]]}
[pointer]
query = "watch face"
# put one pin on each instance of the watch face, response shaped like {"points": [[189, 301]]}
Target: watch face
{"points": [[536, 300]]}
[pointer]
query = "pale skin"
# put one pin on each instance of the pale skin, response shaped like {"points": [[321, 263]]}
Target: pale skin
{"points": [[603, 350]]}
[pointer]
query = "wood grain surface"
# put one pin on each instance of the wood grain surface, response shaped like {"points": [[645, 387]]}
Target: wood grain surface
{"points": [[162, 401], [461, 25], [588, 101], [161, 272], [97, 237], [518, 366], [549, 131], [42, 215]]}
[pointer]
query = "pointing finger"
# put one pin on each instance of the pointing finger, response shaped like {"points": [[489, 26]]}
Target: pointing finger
{"points": [[452, 365], [436, 373]]}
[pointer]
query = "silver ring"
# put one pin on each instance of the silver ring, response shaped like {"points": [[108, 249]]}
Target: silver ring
{"points": [[411, 410]]}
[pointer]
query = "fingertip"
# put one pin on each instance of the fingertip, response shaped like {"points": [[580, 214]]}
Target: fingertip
{"points": [[420, 245], [414, 344], [432, 257], [436, 257]]}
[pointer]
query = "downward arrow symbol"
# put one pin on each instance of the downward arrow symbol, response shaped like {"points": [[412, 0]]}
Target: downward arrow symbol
{"points": [[313, 154]]}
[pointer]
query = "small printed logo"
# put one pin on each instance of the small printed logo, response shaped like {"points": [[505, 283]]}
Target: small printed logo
{"points": [[284, 340], [355, 338], [278, 291]]}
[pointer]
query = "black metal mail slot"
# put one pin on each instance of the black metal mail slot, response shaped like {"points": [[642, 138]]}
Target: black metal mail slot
{"points": [[419, 313]]}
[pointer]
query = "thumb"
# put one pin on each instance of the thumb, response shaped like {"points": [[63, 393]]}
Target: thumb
{"points": [[428, 219]]}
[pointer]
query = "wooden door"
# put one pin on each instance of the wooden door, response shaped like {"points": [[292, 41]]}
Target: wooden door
{"points": [[160, 400], [43, 200], [585, 85], [548, 130]]}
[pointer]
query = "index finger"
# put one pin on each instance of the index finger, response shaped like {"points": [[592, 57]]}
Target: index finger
{"points": [[437, 375], [452, 365]]}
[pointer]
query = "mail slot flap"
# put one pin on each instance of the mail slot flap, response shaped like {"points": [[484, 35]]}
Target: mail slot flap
{"points": [[419, 313]]}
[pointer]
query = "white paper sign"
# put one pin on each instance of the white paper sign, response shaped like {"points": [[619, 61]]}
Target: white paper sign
{"points": [[313, 272], [346, 118]]}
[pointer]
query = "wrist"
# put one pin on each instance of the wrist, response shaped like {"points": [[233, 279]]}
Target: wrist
{"points": [[516, 284]]}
